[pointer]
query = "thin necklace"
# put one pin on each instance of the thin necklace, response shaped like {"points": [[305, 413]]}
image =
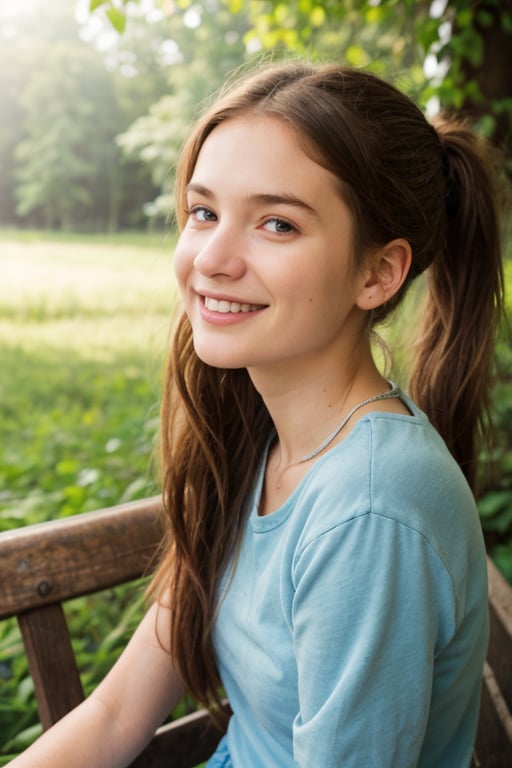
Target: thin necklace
{"points": [[392, 392]]}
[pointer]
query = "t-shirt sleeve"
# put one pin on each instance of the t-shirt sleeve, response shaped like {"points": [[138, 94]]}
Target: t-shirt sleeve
{"points": [[373, 604]]}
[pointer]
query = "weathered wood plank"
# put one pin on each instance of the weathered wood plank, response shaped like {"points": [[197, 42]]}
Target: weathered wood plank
{"points": [[499, 655], [51, 661], [182, 744], [55, 561], [493, 747]]}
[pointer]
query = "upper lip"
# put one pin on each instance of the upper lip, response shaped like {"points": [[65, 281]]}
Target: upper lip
{"points": [[225, 297]]}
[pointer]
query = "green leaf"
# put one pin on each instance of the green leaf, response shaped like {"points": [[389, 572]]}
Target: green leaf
{"points": [[464, 18], [484, 18], [67, 467], [26, 688], [356, 56], [486, 125], [506, 22], [373, 15], [494, 503], [94, 4], [117, 19], [23, 739], [474, 52], [502, 556], [317, 16]]}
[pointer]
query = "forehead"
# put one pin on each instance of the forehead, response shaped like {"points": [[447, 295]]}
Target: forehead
{"points": [[262, 149]]}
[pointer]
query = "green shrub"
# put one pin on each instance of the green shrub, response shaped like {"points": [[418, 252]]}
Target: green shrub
{"points": [[495, 503], [83, 331]]}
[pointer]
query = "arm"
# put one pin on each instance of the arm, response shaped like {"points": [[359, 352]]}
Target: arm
{"points": [[111, 727]]}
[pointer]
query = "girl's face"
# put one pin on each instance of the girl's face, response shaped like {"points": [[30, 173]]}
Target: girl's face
{"points": [[264, 261]]}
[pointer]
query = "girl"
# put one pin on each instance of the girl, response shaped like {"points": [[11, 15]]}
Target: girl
{"points": [[324, 559]]}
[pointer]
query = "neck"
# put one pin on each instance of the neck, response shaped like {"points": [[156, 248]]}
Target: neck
{"points": [[306, 406]]}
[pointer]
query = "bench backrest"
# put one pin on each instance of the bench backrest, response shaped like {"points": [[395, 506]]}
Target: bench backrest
{"points": [[44, 565], [493, 747]]}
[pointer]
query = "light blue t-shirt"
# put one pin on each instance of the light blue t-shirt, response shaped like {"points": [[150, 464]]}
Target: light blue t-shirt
{"points": [[353, 629]]}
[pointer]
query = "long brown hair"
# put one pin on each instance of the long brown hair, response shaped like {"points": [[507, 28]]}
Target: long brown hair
{"points": [[402, 178]]}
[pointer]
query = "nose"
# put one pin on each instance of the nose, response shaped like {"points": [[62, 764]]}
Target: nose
{"points": [[221, 254]]}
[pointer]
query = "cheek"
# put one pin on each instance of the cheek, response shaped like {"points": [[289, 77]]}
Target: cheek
{"points": [[182, 263]]}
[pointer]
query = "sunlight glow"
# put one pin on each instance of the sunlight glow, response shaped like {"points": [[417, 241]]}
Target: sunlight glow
{"points": [[14, 15]]}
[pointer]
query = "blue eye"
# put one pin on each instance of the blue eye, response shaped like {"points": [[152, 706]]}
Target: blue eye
{"points": [[202, 213], [279, 226]]}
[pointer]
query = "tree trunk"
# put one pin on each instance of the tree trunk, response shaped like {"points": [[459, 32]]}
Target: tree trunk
{"points": [[494, 74]]}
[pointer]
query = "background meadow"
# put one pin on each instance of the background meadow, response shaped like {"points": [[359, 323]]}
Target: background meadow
{"points": [[84, 324]]}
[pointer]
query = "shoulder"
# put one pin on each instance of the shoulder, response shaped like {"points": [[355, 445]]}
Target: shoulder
{"points": [[397, 469]]}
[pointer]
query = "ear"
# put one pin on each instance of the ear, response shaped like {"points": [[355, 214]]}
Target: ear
{"points": [[385, 274]]}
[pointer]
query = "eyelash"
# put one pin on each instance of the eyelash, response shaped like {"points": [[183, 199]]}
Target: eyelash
{"points": [[193, 210], [278, 221]]}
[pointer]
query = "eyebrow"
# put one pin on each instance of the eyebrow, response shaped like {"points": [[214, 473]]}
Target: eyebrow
{"points": [[193, 186], [259, 198]]}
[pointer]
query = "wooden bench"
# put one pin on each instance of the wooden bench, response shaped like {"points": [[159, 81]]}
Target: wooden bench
{"points": [[42, 566]]}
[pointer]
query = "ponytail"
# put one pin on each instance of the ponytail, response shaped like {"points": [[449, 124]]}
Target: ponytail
{"points": [[451, 375]]}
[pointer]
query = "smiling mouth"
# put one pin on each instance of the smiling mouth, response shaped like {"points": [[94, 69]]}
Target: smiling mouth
{"points": [[215, 305]]}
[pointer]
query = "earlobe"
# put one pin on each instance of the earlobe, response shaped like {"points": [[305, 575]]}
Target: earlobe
{"points": [[386, 273]]}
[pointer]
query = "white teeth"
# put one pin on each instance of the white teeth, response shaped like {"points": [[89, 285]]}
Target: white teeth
{"points": [[215, 305]]}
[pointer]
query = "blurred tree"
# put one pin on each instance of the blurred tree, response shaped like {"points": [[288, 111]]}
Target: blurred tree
{"points": [[465, 45], [67, 162], [12, 65], [21, 20], [20, 53], [41, 151], [139, 63], [204, 42], [457, 53], [480, 50]]}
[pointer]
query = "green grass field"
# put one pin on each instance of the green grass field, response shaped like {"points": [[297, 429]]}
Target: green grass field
{"points": [[83, 333]]}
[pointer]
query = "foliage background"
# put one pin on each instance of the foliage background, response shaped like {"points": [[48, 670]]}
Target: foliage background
{"points": [[83, 331], [91, 126]]}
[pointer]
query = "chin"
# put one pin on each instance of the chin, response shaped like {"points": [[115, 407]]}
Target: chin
{"points": [[218, 358]]}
